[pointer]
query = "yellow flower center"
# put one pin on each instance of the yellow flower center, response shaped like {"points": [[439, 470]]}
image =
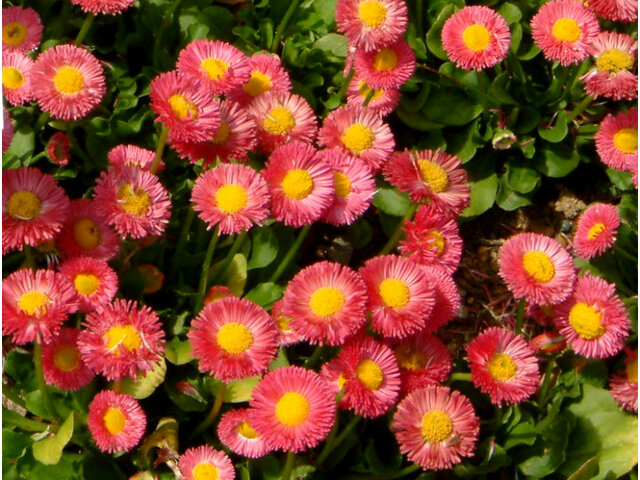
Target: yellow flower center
{"points": [[292, 409], [410, 358], [14, 34], [86, 283], [234, 338], [626, 140], [586, 321], [23, 205], [66, 358], [114, 420], [297, 184], [231, 198], [222, 134], [68, 80], [372, 13], [283, 323], [182, 108], [134, 202], [596, 230], [12, 78], [258, 84], [358, 138], [539, 266], [502, 367], [279, 121], [125, 335], [370, 374], [614, 61], [476, 37], [326, 301], [385, 60], [215, 68], [566, 30], [435, 241], [342, 381], [342, 184], [205, 471], [364, 90], [434, 175], [436, 426], [86, 234], [394, 292], [246, 431], [632, 371], [33, 303]]}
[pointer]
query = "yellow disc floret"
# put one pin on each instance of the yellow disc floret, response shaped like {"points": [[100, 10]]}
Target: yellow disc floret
{"points": [[14, 34], [234, 338], [626, 140], [231, 198], [435, 241], [434, 175], [358, 138], [66, 358], [326, 301], [410, 358], [122, 335], [364, 90], [86, 283], [12, 78], [476, 37], [114, 420], [135, 202], [372, 13], [539, 266], [87, 234], [297, 184], [34, 302], [222, 134], [342, 184], [205, 471], [370, 374], [182, 108], [596, 230], [586, 321], [614, 61], [385, 60], [502, 367], [68, 80], [215, 68], [566, 30], [632, 370], [23, 205], [258, 83], [436, 426], [279, 121], [292, 409], [246, 431], [394, 293]]}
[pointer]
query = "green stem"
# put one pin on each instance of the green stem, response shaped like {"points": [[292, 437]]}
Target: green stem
{"points": [[290, 254], [202, 287], [314, 357], [13, 396], [586, 101], [213, 413], [400, 473], [419, 16], [288, 466], [483, 94], [42, 384], [38, 157], [29, 259], [461, 376], [393, 240], [162, 140], [546, 382], [25, 424], [370, 95], [293, 6], [520, 315], [182, 238], [345, 83], [42, 119], [227, 260], [624, 253], [330, 446], [86, 25]]}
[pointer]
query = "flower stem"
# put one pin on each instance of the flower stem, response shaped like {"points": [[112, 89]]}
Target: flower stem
{"points": [[393, 240], [42, 384], [162, 140], [288, 466], [400, 473], [182, 238], [520, 315], [227, 260], [586, 101], [42, 119], [314, 357], [290, 254], [345, 83], [546, 382], [213, 413], [370, 95], [23, 423], [293, 6], [330, 446], [86, 25], [483, 94], [202, 287], [461, 376]]}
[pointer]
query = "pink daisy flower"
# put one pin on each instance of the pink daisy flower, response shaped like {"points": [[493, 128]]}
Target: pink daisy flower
{"points": [[186, 106], [371, 24], [282, 118], [354, 187], [300, 182], [401, 299], [7, 130], [593, 319], [383, 101], [611, 77], [121, 340], [293, 409], [85, 234], [116, 421], [503, 366], [617, 140], [16, 77], [94, 281], [235, 137], [448, 300], [21, 29], [266, 75], [233, 196], [68, 82], [597, 228], [386, 68], [371, 377], [476, 38], [132, 201], [433, 238], [62, 364], [617, 10], [430, 174], [536, 267], [288, 336], [219, 65], [131, 155], [35, 304], [359, 132], [326, 303], [233, 338], [59, 149], [218, 292], [423, 360], [435, 427], [624, 386], [236, 433], [34, 208], [205, 463], [109, 7], [563, 29]]}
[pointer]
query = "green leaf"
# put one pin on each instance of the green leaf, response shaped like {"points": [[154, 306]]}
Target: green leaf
{"points": [[236, 274], [595, 373], [14, 444], [622, 180], [557, 161], [510, 12], [434, 40], [557, 132], [587, 470], [484, 186], [264, 247], [146, 384], [450, 106], [522, 434], [333, 43], [178, 351], [302, 471], [22, 143], [49, 450], [240, 390], [264, 294], [521, 176], [551, 446], [465, 143], [391, 202], [508, 199]]}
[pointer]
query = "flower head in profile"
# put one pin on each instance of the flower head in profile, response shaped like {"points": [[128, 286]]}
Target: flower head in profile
{"points": [[237, 434], [21, 29], [371, 24], [624, 384], [205, 463], [131, 156], [62, 363], [617, 140], [617, 10], [116, 421], [596, 231], [59, 149], [388, 67], [16, 77]]}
